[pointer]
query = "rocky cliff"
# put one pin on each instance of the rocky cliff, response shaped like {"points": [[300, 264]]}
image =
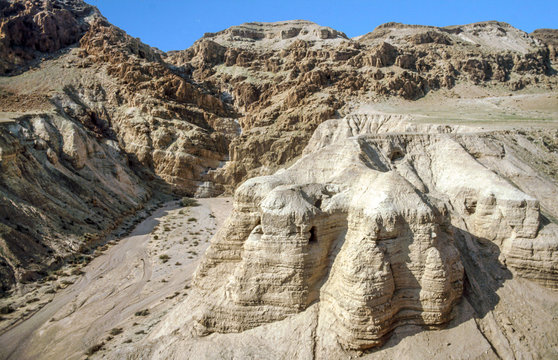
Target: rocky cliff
{"points": [[93, 122], [286, 78], [367, 225]]}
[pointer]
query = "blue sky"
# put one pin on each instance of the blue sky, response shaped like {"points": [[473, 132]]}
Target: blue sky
{"points": [[175, 24]]}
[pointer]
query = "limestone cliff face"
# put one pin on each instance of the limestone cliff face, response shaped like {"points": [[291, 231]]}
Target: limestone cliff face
{"points": [[239, 103], [372, 227]]}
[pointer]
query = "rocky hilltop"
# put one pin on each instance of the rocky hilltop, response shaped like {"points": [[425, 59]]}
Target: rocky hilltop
{"points": [[354, 223], [286, 78]]}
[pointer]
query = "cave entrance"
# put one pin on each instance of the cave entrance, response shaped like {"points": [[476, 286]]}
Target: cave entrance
{"points": [[313, 238]]}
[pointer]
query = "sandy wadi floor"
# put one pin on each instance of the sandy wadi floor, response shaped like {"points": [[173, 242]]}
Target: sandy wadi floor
{"points": [[124, 292]]}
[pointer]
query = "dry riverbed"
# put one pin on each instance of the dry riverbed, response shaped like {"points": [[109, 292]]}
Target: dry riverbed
{"points": [[121, 294]]}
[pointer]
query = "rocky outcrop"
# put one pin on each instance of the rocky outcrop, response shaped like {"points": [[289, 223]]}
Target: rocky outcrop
{"points": [[371, 226], [238, 104], [285, 79], [31, 29]]}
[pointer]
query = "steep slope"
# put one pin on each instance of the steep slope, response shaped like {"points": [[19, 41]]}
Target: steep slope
{"points": [[550, 38], [90, 131]]}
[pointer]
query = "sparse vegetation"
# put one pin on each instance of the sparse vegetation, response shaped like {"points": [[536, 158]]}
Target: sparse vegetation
{"points": [[6, 309], [77, 271], [189, 202], [192, 219], [95, 348], [116, 331], [143, 312], [164, 258]]}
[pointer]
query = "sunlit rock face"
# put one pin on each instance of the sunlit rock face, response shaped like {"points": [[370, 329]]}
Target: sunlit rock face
{"points": [[365, 225]]}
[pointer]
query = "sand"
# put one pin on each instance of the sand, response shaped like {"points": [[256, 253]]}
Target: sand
{"points": [[118, 287]]}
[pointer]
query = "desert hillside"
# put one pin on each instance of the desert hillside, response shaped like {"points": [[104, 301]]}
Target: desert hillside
{"points": [[394, 194]]}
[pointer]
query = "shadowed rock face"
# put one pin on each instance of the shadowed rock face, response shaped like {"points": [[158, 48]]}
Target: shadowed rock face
{"points": [[367, 226], [61, 189]]}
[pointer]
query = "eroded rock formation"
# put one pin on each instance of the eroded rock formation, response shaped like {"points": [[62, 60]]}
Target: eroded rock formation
{"points": [[375, 228]]}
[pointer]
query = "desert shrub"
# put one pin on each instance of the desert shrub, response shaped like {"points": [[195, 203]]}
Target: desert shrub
{"points": [[6, 309], [164, 258], [143, 312], [192, 219], [189, 202], [93, 349], [77, 271], [116, 331]]}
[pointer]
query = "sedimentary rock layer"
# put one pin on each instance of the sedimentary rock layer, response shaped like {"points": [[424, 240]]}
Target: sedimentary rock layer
{"points": [[367, 225]]}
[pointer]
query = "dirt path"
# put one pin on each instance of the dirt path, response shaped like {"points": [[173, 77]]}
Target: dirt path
{"points": [[147, 270]]}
